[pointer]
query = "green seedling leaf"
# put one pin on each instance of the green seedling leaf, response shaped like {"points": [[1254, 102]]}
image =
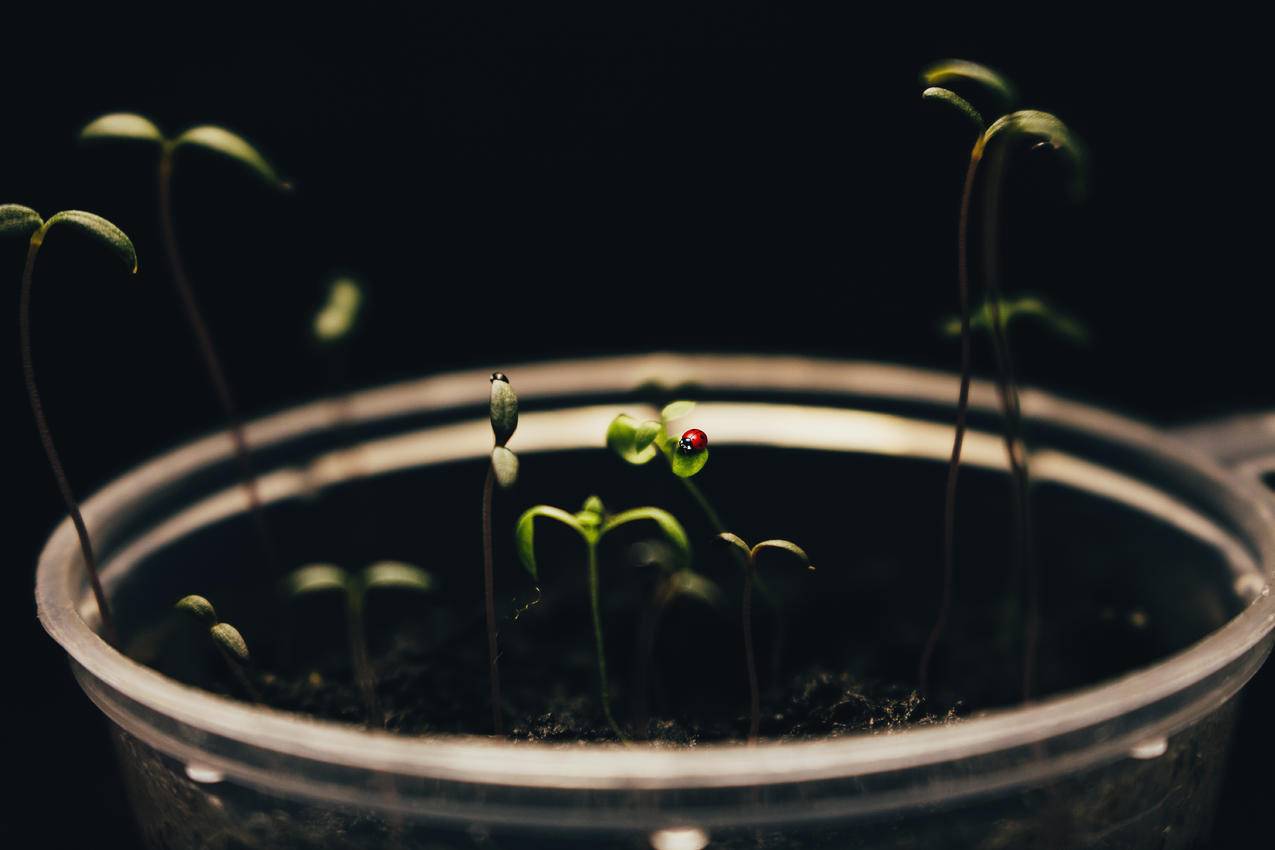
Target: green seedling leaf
{"points": [[315, 578], [96, 227], [784, 546], [687, 582], [622, 438], [226, 143], [199, 608], [671, 528], [736, 541], [676, 410], [505, 464], [1025, 306], [17, 220], [646, 435], [950, 73], [396, 574], [504, 408], [686, 464], [958, 103], [1042, 128], [228, 638], [525, 533], [122, 125], [339, 315]]}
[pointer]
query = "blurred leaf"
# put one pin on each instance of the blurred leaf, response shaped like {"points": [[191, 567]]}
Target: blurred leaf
{"points": [[1043, 128], [504, 464], [396, 574], [98, 228], [784, 546], [676, 410], [226, 143], [339, 315], [951, 73], [646, 434], [687, 582], [315, 578], [17, 220], [525, 533], [1024, 306], [622, 439], [122, 125], [957, 102], [671, 528], [199, 608], [736, 541]]}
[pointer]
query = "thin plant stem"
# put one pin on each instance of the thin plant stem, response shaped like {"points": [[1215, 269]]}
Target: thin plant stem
{"points": [[1011, 409], [55, 463], [754, 694], [212, 363], [596, 610], [361, 658], [241, 676], [962, 408], [714, 519], [493, 653]]}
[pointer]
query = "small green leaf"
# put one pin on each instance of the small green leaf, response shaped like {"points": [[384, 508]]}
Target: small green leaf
{"points": [[1043, 128], [784, 546], [622, 439], [315, 578], [1014, 309], [676, 410], [98, 228], [339, 315], [504, 408], [505, 464], [646, 434], [957, 102], [199, 608], [593, 505], [396, 574], [671, 528], [687, 582], [736, 541], [17, 220], [525, 533], [686, 465], [953, 72], [226, 143], [228, 638], [122, 125]]}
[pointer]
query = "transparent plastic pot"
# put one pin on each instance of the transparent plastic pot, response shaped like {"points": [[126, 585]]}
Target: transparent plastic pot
{"points": [[1127, 761]]}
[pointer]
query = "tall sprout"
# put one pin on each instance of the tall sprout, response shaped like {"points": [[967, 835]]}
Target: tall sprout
{"points": [[16, 220], [503, 470]]}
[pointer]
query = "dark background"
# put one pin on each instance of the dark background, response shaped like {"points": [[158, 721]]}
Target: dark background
{"points": [[514, 188]]}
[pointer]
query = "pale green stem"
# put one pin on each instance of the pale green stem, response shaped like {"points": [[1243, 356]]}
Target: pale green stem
{"points": [[596, 610]]}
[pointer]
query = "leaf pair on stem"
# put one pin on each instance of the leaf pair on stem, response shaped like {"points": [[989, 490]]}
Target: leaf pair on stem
{"points": [[226, 638]]}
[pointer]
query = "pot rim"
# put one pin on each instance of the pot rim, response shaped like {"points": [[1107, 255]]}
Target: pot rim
{"points": [[474, 759]]}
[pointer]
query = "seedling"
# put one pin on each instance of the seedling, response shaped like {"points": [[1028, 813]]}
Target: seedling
{"points": [[640, 442], [230, 644], [124, 126], [673, 584], [750, 572], [1012, 310], [992, 146], [502, 470], [16, 220], [337, 322], [326, 578], [593, 523]]}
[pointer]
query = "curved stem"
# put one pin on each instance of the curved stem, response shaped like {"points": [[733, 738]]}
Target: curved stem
{"points": [[361, 658], [493, 668], [754, 695], [1011, 409], [212, 363], [962, 407], [713, 519], [596, 611], [46, 439]]}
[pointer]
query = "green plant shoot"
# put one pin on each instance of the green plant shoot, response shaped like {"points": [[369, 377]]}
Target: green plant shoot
{"points": [[750, 573], [502, 470], [1022, 307], [24, 222], [226, 638], [130, 127], [328, 578], [984, 176], [593, 523]]}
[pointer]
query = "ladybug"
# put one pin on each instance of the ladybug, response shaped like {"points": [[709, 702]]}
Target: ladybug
{"points": [[692, 441]]}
